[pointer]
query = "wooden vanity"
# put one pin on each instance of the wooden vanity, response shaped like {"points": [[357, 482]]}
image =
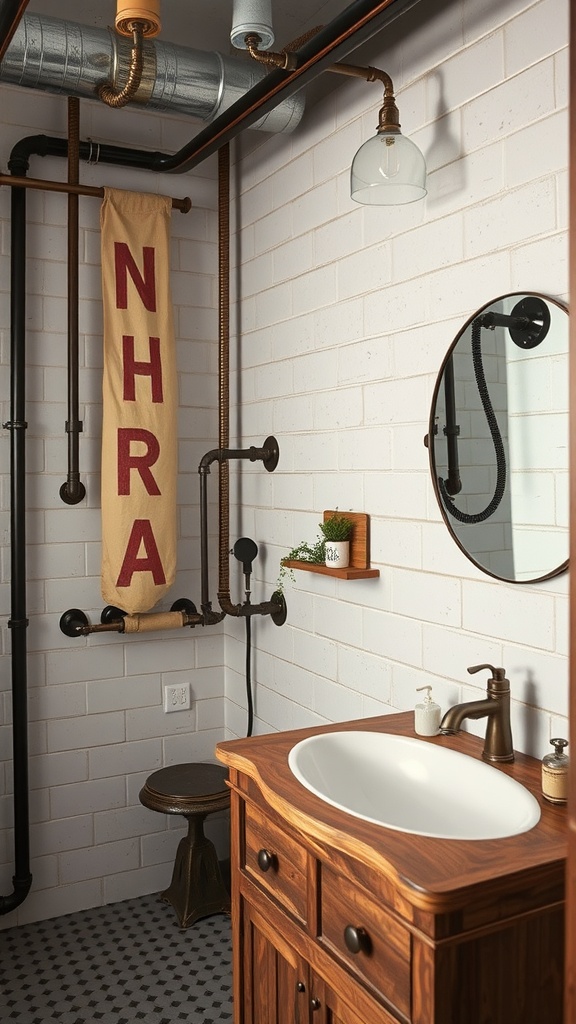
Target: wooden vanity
{"points": [[339, 921]]}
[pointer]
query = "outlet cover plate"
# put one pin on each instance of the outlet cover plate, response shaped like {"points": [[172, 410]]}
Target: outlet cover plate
{"points": [[177, 697]]}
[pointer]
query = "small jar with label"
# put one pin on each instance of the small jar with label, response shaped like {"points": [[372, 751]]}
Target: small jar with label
{"points": [[555, 773]]}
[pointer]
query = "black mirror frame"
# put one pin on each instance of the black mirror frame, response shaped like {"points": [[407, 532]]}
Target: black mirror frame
{"points": [[429, 440]]}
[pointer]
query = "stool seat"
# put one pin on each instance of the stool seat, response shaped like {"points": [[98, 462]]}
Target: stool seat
{"points": [[193, 790]]}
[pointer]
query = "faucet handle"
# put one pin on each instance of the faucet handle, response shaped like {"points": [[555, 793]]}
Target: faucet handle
{"points": [[499, 674]]}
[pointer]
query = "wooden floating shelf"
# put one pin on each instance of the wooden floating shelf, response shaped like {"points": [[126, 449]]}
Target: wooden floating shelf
{"points": [[342, 574], [359, 568]]}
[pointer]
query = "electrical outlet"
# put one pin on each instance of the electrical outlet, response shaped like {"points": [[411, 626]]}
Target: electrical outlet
{"points": [[177, 698]]}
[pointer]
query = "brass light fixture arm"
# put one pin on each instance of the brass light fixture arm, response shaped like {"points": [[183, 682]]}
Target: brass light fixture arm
{"points": [[285, 60], [388, 118], [107, 92]]}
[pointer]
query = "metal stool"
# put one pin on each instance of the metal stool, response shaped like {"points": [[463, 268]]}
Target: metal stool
{"points": [[193, 790]]}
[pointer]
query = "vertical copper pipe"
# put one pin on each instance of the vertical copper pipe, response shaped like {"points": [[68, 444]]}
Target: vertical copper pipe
{"points": [[72, 490], [224, 366]]}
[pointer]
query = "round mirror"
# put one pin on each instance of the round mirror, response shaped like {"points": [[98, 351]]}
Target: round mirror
{"points": [[498, 438]]}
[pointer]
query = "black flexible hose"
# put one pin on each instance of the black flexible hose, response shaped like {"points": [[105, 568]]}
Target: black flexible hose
{"points": [[249, 699], [479, 517]]}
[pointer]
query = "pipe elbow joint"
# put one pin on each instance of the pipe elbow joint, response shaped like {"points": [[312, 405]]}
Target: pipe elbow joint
{"points": [[17, 896]]}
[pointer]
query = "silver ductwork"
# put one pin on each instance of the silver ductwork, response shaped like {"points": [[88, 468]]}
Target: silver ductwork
{"points": [[62, 57]]}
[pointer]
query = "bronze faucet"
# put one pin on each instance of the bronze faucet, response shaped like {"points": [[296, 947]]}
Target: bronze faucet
{"points": [[495, 707]]}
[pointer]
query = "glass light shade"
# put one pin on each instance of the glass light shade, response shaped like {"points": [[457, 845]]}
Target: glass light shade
{"points": [[388, 170]]}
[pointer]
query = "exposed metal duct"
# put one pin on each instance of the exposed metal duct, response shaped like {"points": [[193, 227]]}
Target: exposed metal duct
{"points": [[62, 57]]}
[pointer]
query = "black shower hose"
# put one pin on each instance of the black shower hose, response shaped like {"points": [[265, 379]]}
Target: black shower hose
{"points": [[249, 699], [479, 517]]}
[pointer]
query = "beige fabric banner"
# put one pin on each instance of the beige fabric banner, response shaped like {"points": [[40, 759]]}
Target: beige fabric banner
{"points": [[139, 438]]}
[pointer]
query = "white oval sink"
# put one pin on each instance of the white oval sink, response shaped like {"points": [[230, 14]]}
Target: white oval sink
{"points": [[411, 786]]}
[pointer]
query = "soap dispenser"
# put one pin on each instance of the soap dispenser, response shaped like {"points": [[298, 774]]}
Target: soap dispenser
{"points": [[427, 715], [555, 773]]}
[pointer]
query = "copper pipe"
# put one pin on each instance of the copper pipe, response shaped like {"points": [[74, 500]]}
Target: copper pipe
{"points": [[224, 367], [107, 93], [369, 74], [286, 61], [388, 117], [184, 205]]}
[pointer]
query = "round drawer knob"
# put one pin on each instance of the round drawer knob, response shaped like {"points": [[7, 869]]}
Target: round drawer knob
{"points": [[300, 987], [315, 1004], [266, 860], [357, 940]]}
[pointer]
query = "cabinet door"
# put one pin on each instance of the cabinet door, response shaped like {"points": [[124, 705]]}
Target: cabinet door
{"points": [[274, 978], [326, 1006]]}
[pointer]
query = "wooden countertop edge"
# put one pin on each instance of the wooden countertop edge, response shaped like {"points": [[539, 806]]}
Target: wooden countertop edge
{"points": [[442, 878]]}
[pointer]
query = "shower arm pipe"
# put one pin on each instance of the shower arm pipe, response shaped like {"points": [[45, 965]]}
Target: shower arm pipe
{"points": [[492, 320], [18, 621], [97, 192], [72, 490]]}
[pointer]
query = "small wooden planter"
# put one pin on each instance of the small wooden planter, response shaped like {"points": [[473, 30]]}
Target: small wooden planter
{"points": [[359, 568]]}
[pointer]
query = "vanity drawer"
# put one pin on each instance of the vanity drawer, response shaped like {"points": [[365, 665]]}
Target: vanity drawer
{"points": [[276, 862], [365, 937]]}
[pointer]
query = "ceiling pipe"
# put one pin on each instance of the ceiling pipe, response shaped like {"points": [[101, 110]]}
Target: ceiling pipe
{"points": [[80, 60], [11, 12], [358, 23], [362, 20]]}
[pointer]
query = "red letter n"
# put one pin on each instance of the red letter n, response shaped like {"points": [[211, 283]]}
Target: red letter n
{"points": [[133, 368], [124, 264], [141, 463]]}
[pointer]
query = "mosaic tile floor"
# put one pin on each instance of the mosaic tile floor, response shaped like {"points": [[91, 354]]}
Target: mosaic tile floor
{"points": [[121, 964]]}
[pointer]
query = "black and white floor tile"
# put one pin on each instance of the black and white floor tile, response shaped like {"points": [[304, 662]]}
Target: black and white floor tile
{"points": [[128, 963]]}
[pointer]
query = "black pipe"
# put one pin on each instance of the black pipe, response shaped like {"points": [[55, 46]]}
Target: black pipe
{"points": [[268, 455], [92, 152], [18, 622], [453, 483], [72, 490], [11, 12]]}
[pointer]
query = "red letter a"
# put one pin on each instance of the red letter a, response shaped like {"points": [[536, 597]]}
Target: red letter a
{"points": [[141, 534]]}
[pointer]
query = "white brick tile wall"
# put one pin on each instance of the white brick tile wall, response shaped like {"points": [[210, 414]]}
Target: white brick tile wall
{"points": [[344, 315]]}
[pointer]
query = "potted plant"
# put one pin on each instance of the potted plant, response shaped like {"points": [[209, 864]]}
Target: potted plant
{"points": [[331, 549], [303, 552], [336, 531]]}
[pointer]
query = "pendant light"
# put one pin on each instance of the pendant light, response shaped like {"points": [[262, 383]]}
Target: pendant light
{"points": [[388, 169]]}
